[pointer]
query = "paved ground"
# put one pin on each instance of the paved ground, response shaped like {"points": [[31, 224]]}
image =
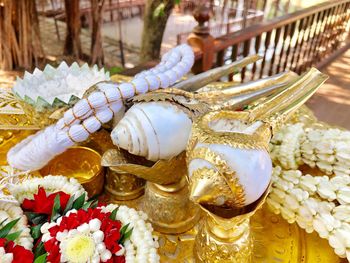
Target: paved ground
{"points": [[53, 45], [332, 102]]}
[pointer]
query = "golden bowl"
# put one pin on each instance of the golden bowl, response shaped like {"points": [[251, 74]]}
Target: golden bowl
{"points": [[81, 163], [8, 139]]}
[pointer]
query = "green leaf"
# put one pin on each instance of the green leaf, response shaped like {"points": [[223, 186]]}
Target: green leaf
{"points": [[35, 231], [35, 218], [41, 259], [177, 2], [94, 204], [7, 228], [113, 215], [124, 235], [127, 235], [56, 208], [79, 202], [69, 205], [13, 236], [39, 250], [159, 11], [87, 205], [124, 228], [3, 221]]}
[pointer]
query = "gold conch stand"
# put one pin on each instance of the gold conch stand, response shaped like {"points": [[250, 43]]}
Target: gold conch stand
{"points": [[166, 199]]}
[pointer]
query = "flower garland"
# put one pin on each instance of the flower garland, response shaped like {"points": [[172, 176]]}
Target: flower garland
{"points": [[50, 183], [92, 235], [315, 203], [66, 227], [10, 211], [12, 253], [328, 149]]}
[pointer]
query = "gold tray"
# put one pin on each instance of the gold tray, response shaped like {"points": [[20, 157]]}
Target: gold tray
{"points": [[276, 241]]}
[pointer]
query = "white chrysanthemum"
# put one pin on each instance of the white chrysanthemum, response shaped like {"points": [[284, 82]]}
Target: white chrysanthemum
{"points": [[42, 88], [10, 211], [51, 183]]}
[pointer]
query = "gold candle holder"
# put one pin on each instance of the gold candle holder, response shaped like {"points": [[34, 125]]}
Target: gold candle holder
{"points": [[81, 163]]}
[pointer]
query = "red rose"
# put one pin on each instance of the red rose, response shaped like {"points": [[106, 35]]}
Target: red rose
{"points": [[43, 204]]}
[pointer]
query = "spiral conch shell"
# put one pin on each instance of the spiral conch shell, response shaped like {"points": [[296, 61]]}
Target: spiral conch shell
{"points": [[156, 130], [228, 164]]}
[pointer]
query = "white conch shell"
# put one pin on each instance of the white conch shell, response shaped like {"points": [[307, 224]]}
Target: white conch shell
{"points": [[154, 130], [252, 167]]}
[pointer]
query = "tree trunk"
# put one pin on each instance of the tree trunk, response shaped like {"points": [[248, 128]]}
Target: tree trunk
{"points": [[97, 56], [153, 28], [20, 45], [72, 46]]}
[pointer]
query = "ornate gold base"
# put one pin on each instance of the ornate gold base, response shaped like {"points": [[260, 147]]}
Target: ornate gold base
{"points": [[169, 208], [123, 187], [223, 240]]}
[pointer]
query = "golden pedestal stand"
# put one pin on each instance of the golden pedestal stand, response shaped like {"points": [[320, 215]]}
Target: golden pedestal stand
{"points": [[166, 199]]}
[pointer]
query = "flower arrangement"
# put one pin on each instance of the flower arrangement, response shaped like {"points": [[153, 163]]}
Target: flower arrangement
{"points": [[15, 239], [66, 226], [315, 203]]}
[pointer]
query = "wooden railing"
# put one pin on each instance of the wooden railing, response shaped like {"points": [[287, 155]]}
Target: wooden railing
{"points": [[221, 29], [297, 41]]}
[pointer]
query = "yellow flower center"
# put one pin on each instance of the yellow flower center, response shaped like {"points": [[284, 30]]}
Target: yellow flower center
{"points": [[79, 248]]}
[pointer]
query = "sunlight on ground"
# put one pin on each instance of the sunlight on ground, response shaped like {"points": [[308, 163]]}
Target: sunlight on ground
{"points": [[332, 101]]}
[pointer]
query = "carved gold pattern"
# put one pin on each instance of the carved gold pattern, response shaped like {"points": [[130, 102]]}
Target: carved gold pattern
{"points": [[234, 246], [121, 185], [201, 132], [162, 172], [180, 98], [169, 208], [274, 240], [225, 179], [9, 104], [166, 199]]}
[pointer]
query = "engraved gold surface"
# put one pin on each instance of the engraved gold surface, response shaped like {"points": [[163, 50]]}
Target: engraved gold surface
{"points": [[166, 199], [274, 240], [81, 163], [161, 172], [208, 185], [202, 132], [123, 186], [120, 185], [169, 208]]}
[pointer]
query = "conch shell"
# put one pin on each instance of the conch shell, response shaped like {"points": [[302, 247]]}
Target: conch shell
{"points": [[228, 164], [155, 130], [158, 125]]}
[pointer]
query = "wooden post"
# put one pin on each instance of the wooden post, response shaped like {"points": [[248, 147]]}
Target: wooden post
{"points": [[201, 40]]}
